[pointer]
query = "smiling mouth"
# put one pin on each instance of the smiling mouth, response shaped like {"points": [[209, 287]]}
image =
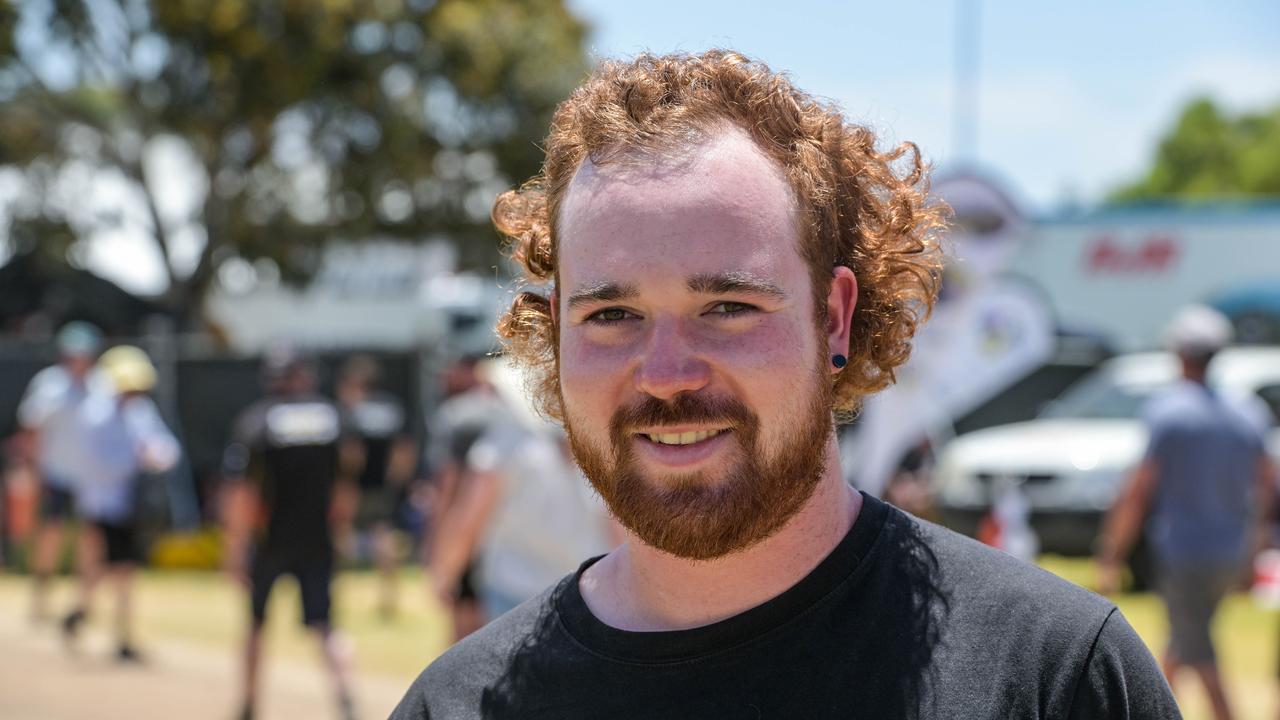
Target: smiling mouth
{"points": [[685, 438]]}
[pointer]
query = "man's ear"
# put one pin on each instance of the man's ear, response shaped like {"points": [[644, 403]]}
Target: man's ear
{"points": [[555, 307], [842, 298]]}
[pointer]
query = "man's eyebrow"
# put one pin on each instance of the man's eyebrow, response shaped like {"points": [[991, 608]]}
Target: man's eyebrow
{"points": [[602, 292], [734, 282]]}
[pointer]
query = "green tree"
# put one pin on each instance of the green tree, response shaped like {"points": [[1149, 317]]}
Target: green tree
{"points": [[303, 121], [1208, 154]]}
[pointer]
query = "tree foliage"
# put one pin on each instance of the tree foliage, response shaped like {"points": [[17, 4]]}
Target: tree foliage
{"points": [[1208, 154], [304, 121]]}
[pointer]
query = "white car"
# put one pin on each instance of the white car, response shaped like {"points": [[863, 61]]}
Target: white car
{"points": [[1071, 461]]}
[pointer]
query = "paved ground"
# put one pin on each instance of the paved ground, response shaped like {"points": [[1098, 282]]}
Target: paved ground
{"points": [[39, 680]]}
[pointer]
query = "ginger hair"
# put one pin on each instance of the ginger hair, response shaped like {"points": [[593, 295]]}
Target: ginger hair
{"points": [[860, 207]]}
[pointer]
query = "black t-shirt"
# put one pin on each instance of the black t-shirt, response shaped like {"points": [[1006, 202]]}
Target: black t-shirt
{"points": [[378, 420], [289, 447], [903, 619]]}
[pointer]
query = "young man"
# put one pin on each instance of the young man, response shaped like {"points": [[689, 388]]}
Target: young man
{"points": [[733, 265], [55, 442], [126, 437], [1201, 494], [290, 473]]}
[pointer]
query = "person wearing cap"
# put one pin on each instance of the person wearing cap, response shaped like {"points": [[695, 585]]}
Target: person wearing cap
{"points": [[1205, 479], [290, 490], [53, 441], [125, 437]]}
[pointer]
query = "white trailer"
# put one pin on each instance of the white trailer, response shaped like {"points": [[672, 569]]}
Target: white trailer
{"points": [[1123, 273]]}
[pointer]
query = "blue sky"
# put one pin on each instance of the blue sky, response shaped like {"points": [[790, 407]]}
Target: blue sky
{"points": [[1073, 97]]}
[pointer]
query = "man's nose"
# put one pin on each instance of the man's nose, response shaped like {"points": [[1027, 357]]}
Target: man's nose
{"points": [[670, 364]]}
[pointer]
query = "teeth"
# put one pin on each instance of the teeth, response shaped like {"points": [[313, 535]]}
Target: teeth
{"points": [[687, 438]]}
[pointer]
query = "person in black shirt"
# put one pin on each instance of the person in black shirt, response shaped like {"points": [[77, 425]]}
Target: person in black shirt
{"points": [[289, 473], [378, 418], [734, 267]]}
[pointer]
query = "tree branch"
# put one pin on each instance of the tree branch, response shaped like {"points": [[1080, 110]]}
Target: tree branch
{"points": [[138, 174]]}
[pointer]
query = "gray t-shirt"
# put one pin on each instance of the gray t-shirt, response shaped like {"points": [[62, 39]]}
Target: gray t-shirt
{"points": [[903, 619], [1206, 448]]}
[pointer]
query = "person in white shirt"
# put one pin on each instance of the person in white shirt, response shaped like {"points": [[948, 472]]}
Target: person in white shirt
{"points": [[543, 517], [525, 513], [52, 442], [125, 437]]}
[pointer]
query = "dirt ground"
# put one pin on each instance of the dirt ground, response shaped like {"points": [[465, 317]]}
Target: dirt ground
{"points": [[41, 680]]}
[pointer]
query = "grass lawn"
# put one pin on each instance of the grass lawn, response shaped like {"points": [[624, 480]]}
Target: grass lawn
{"points": [[1246, 637], [202, 608]]}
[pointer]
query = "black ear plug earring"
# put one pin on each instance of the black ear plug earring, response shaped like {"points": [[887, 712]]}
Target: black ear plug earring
{"points": [[839, 360]]}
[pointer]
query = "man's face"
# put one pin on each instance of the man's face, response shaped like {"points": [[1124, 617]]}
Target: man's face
{"points": [[692, 368], [78, 364]]}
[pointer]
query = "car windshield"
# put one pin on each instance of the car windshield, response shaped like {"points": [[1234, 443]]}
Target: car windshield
{"points": [[1100, 396]]}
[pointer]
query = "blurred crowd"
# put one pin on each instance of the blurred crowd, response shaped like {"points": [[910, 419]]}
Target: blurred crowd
{"points": [[489, 501]]}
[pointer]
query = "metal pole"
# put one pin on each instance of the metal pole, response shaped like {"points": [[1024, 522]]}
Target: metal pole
{"points": [[964, 103]]}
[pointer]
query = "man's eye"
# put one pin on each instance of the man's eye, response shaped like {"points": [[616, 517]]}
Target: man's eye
{"points": [[731, 308], [608, 316]]}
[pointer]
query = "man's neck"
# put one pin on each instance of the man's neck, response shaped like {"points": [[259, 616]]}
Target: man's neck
{"points": [[639, 588]]}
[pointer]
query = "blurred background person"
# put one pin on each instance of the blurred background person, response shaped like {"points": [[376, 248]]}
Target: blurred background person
{"points": [[290, 490], [525, 516], [55, 442], [390, 458], [126, 437], [471, 408], [1205, 483], [910, 488]]}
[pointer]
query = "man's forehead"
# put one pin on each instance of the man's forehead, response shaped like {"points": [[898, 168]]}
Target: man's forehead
{"points": [[727, 165], [723, 208]]}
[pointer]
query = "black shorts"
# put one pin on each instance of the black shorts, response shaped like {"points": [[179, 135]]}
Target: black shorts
{"points": [[56, 503], [121, 541], [314, 574], [467, 584]]}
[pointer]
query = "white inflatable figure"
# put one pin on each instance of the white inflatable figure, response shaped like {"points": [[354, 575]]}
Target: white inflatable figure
{"points": [[987, 332]]}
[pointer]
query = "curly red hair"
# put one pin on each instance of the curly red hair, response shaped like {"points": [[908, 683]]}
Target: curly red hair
{"points": [[865, 209]]}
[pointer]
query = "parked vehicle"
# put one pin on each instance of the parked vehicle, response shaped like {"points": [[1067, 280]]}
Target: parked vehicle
{"points": [[1071, 461]]}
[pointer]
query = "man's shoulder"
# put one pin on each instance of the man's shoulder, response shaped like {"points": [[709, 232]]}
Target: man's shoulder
{"points": [[980, 579], [1059, 643], [454, 684], [1168, 404], [51, 373], [53, 378]]}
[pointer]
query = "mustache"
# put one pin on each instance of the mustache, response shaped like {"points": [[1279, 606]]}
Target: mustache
{"points": [[683, 409]]}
